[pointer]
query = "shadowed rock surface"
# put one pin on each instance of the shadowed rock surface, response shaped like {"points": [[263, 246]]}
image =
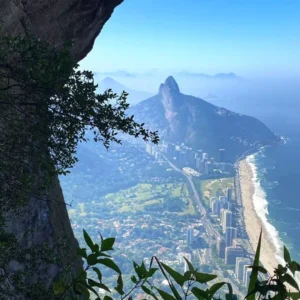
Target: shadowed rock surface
{"points": [[44, 221], [59, 21]]}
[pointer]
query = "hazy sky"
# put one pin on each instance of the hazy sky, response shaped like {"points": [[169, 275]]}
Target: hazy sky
{"points": [[248, 37]]}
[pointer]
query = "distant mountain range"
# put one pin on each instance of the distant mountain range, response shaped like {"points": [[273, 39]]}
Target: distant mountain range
{"points": [[134, 96], [220, 76], [186, 119], [205, 76]]}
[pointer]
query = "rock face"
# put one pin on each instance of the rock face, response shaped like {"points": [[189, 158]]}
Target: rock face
{"points": [[45, 221], [186, 119], [58, 21]]}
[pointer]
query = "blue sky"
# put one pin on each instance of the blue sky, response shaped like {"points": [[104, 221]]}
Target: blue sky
{"points": [[248, 37]]}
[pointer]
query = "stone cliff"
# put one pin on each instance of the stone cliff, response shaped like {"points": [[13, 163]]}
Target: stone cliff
{"points": [[45, 221]]}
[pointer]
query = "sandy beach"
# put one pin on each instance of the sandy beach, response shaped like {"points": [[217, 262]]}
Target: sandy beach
{"points": [[252, 222]]}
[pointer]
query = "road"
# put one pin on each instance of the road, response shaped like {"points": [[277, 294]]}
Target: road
{"points": [[211, 231]]}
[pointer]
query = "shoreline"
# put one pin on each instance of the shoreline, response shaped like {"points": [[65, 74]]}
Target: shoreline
{"points": [[253, 223]]}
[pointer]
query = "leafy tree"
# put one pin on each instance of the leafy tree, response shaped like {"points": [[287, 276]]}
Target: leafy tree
{"points": [[47, 105]]}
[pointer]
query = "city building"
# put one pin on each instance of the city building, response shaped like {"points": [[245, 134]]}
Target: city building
{"points": [[223, 198], [149, 148], [239, 267], [229, 194], [230, 234], [231, 253], [226, 219], [237, 242], [190, 235], [211, 200], [190, 157], [246, 277], [221, 155], [204, 156], [221, 247], [198, 162], [208, 167], [202, 166], [215, 207], [171, 149]]}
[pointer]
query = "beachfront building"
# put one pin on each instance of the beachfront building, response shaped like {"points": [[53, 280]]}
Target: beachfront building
{"points": [[241, 262], [246, 276], [230, 235], [229, 194], [231, 253], [221, 245], [226, 219]]}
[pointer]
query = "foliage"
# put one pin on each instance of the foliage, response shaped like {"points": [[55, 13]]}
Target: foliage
{"points": [[281, 285], [180, 286], [46, 107], [190, 284]]}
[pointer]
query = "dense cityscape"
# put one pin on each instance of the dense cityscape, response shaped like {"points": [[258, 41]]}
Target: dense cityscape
{"points": [[228, 244]]}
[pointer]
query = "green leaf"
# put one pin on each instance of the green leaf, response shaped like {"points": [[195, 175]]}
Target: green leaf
{"points": [[88, 286], [58, 288], [149, 292], [290, 280], [93, 283], [107, 244], [165, 295], [103, 287], [203, 277], [141, 270], [187, 275], [230, 295], [82, 252], [191, 268], [294, 296], [92, 259], [99, 275], [259, 269], [110, 264], [81, 289], [175, 275], [214, 288], [151, 272], [286, 255], [107, 298], [133, 279], [200, 294], [254, 273], [293, 266], [88, 240], [120, 285]]}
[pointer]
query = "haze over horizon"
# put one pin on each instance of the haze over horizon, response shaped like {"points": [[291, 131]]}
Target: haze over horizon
{"points": [[246, 38]]}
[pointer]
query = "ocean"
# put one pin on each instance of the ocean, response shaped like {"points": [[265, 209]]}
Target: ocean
{"points": [[276, 180], [276, 169]]}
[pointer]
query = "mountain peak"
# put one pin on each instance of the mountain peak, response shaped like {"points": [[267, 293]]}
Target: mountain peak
{"points": [[172, 84]]}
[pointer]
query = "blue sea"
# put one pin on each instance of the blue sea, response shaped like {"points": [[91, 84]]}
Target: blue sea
{"points": [[277, 168], [277, 192]]}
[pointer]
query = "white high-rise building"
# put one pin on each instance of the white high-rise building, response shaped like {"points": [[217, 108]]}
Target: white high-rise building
{"points": [[230, 235], [226, 219], [239, 267]]}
